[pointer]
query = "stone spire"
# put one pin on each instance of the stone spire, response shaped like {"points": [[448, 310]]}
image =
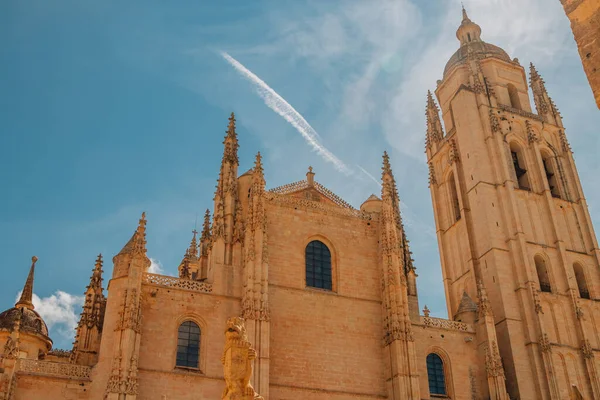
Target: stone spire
{"points": [[205, 235], [397, 327], [226, 198], [193, 250], [137, 243], [27, 294], [89, 328], [543, 103], [468, 31], [435, 132], [96, 278]]}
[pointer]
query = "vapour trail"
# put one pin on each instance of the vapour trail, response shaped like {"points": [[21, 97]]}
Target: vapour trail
{"points": [[369, 175], [278, 104]]}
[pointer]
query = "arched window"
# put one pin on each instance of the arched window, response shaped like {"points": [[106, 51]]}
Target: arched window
{"points": [[542, 273], [188, 345], [550, 174], [513, 94], [435, 374], [454, 204], [581, 283], [318, 265], [518, 164]]}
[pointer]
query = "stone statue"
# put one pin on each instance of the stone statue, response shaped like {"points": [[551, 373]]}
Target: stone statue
{"points": [[237, 362]]}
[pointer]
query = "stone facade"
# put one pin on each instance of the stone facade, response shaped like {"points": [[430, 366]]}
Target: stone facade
{"points": [[519, 261], [585, 23]]}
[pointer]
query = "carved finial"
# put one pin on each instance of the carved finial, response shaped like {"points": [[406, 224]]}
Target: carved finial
{"points": [[426, 311], [258, 168], [231, 143], [140, 242], [206, 226], [387, 169], [96, 278], [27, 293], [464, 13], [193, 250], [310, 176]]}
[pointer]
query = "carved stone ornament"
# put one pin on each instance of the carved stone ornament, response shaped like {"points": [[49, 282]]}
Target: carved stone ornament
{"points": [[432, 180], [114, 382], [453, 156], [586, 349], [566, 147], [11, 348], [494, 123], [493, 363], [237, 360], [545, 345], [531, 134], [485, 308], [131, 385], [536, 299]]}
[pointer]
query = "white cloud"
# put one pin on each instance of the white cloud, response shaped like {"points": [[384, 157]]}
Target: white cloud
{"points": [[60, 311], [156, 267]]}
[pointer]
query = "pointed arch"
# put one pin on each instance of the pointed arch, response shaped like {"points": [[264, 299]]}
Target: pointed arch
{"points": [[453, 197], [549, 162], [519, 166], [581, 281], [513, 95], [542, 273]]}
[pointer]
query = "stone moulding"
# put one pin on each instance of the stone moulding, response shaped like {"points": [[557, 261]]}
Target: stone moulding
{"points": [[51, 368], [446, 324], [173, 282], [285, 201], [520, 112]]}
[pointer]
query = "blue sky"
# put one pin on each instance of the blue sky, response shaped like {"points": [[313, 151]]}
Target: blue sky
{"points": [[111, 108]]}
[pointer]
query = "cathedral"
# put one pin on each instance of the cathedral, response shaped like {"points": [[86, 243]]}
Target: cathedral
{"points": [[292, 293]]}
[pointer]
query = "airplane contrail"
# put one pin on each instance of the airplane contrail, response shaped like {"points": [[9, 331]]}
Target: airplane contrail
{"points": [[278, 104], [369, 175]]}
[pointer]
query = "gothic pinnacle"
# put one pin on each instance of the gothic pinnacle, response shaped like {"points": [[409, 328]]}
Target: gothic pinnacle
{"points": [[258, 168], [140, 242], [96, 278], [387, 169], [231, 143], [193, 250], [205, 226], [27, 293], [464, 13]]}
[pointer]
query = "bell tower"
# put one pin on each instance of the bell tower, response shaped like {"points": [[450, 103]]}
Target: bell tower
{"points": [[511, 217]]}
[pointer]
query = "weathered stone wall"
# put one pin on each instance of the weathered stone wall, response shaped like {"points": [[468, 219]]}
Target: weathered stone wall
{"points": [[325, 344], [585, 23]]}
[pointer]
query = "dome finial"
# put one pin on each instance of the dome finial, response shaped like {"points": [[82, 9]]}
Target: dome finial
{"points": [[468, 31], [27, 293], [464, 12]]}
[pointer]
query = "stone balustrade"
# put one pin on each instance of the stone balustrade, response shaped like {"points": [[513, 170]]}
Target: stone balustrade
{"points": [[446, 324], [51, 368], [179, 283]]}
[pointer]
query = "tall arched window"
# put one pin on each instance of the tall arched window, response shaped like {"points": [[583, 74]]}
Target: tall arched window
{"points": [[519, 167], [581, 283], [513, 94], [318, 265], [454, 204], [435, 374], [542, 273], [188, 345], [550, 174]]}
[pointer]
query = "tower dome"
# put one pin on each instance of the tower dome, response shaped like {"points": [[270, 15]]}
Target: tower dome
{"points": [[469, 35], [22, 325]]}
